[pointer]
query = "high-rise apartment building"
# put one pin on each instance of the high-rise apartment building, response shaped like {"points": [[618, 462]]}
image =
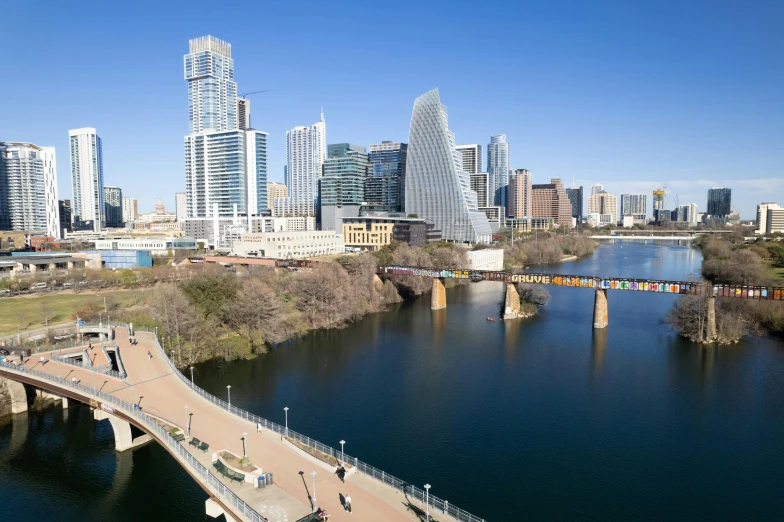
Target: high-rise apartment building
{"points": [[225, 160], [634, 204], [87, 204], [602, 203], [437, 188], [575, 195], [342, 184], [498, 167], [306, 151], [386, 182], [28, 188], [112, 200], [130, 209], [520, 187], [181, 205], [275, 190], [719, 202], [550, 201], [480, 183], [687, 214], [472, 157]]}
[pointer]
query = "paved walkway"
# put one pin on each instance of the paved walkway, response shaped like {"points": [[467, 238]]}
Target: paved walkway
{"points": [[161, 393]]}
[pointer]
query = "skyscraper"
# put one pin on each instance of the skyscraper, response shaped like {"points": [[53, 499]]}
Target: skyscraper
{"points": [[603, 203], [550, 201], [225, 160], [719, 202], [687, 214], [28, 188], [596, 188], [385, 185], [181, 205], [306, 150], [437, 188], [575, 196], [480, 183], [634, 204], [64, 207], [520, 187], [498, 167], [130, 208], [342, 184], [112, 198], [87, 205], [472, 157]]}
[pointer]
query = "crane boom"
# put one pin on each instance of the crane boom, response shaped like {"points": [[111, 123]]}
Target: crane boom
{"points": [[255, 92]]}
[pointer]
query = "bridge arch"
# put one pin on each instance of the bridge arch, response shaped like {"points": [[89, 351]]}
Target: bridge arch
{"points": [[17, 394]]}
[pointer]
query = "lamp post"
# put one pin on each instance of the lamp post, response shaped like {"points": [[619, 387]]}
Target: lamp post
{"points": [[104, 304], [187, 424], [172, 356], [228, 388], [313, 474], [191, 374], [286, 409], [342, 453], [427, 501], [244, 434]]}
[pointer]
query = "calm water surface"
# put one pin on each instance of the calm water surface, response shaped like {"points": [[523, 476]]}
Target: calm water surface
{"points": [[544, 418]]}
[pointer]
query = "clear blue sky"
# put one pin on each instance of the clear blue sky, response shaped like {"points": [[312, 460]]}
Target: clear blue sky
{"points": [[630, 94]]}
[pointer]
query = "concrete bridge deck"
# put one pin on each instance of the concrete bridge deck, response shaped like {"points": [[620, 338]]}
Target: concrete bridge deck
{"points": [[160, 392]]}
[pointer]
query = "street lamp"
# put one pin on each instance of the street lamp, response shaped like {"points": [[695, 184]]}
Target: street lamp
{"points": [[187, 424], [191, 374], [342, 453], [228, 387], [286, 409], [313, 474], [244, 434], [104, 304], [427, 501]]}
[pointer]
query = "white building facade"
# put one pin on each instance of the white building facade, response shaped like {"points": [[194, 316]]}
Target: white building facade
{"points": [[306, 151], [87, 203], [181, 205], [290, 244]]}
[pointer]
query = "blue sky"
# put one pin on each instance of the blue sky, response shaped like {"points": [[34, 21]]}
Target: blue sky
{"points": [[633, 95]]}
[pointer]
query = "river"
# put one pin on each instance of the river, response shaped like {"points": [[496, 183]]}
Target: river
{"points": [[530, 419]]}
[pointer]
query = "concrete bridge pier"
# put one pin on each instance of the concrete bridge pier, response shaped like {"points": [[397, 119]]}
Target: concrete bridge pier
{"points": [[123, 436], [215, 510], [15, 396], [511, 302], [600, 317], [438, 296]]}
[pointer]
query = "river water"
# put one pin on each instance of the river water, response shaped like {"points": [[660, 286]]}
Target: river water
{"points": [[531, 419]]}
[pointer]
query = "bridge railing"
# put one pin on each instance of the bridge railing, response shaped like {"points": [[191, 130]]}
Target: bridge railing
{"points": [[239, 507], [408, 489]]}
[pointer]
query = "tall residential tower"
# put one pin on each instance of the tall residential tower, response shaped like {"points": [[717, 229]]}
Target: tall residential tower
{"points": [[87, 204], [306, 151], [498, 167]]}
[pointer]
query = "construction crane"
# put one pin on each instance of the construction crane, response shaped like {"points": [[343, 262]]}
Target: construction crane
{"points": [[255, 92]]}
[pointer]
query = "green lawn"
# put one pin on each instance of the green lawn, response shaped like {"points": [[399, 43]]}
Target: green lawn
{"points": [[29, 312], [779, 274]]}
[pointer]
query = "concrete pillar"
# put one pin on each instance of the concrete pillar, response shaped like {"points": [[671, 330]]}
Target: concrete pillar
{"points": [[600, 319], [214, 510], [511, 302], [16, 393], [438, 297], [711, 333], [123, 438]]}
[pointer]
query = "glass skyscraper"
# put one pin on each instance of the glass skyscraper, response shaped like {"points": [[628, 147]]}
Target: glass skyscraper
{"points": [[342, 184], [87, 204], [385, 185], [719, 202], [498, 168], [575, 196], [112, 198], [437, 188], [225, 159]]}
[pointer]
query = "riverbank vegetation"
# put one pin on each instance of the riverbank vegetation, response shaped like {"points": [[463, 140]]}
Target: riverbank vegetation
{"points": [[544, 248], [731, 261]]}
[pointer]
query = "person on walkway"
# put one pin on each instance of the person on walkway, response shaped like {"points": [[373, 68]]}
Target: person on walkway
{"points": [[348, 502], [258, 427], [341, 473], [149, 355]]}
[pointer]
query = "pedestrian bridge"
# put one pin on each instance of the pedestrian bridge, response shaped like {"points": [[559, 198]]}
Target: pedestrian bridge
{"points": [[152, 401]]}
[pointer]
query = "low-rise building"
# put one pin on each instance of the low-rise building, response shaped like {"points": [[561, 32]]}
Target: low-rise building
{"points": [[486, 259], [37, 264], [529, 224], [629, 220], [289, 245], [121, 259], [599, 220], [155, 245], [374, 232]]}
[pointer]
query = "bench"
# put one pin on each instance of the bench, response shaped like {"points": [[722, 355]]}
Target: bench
{"points": [[204, 446], [179, 437], [194, 442], [229, 474]]}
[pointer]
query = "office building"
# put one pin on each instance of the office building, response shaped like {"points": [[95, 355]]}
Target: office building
{"points": [[594, 219], [775, 222], [498, 167], [550, 201], [575, 195], [225, 159], [629, 220], [719, 202], [603, 204], [520, 187], [687, 214], [275, 190], [306, 151], [529, 224], [762, 217], [386, 182], [496, 216], [634, 204], [28, 189], [64, 207], [472, 157], [370, 233], [112, 200], [342, 184], [437, 188], [181, 205], [155, 245], [87, 204], [289, 245], [130, 209], [480, 183]]}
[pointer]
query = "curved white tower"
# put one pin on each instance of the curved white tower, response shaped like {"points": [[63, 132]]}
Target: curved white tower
{"points": [[437, 187]]}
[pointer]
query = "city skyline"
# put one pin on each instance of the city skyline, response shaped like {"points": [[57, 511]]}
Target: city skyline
{"points": [[631, 135]]}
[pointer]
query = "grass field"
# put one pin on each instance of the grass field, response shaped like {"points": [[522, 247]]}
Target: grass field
{"points": [[779, 273], [29, 311]]}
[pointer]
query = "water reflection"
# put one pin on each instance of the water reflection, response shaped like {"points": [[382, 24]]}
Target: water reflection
{"points": [[598, 348]]}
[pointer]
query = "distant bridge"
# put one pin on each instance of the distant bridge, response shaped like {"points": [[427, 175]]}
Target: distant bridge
{"points": [[647, 237]]}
